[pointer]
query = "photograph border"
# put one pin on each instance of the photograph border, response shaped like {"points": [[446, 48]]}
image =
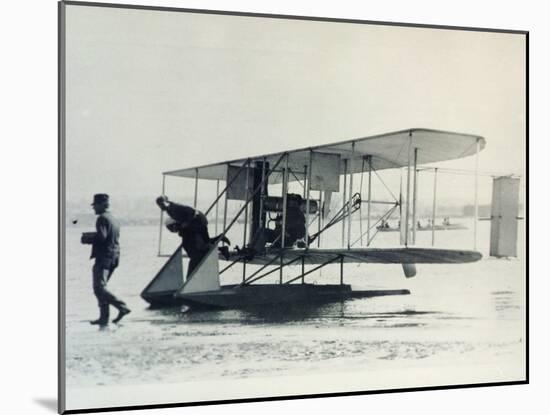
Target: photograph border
{"points": [[62, 200]]}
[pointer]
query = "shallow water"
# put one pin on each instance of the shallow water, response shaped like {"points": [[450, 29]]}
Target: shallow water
{"points": [[456, 315]]}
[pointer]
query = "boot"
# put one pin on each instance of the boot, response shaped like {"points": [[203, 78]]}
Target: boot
{"points": [[221, 238], [122, 311], [224, 250], [103, 319]]}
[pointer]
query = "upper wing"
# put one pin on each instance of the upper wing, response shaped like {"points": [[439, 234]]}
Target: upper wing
{"points": [[410, 255], [387, 151]]}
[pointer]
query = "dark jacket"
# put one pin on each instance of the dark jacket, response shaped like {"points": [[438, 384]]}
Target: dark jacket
{"points": [[181, 213], [194, 237], [105, 247], [295, 222]]}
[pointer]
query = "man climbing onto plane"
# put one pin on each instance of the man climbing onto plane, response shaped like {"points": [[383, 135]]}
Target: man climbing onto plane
{"points": [[192, 226], [106, 251]]}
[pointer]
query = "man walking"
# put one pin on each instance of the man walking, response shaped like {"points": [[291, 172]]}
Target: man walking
{"points": [[106, 251]]}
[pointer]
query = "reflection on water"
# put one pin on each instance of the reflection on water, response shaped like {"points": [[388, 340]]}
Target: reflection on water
{"points": [[506, 304], [335, 312]]}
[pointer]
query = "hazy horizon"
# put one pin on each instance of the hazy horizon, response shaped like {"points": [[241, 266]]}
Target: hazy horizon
{"points": [[149, 91]]}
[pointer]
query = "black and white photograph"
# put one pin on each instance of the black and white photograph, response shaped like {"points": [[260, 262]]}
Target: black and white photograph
{"points": [[239, 207], [265, 206]]}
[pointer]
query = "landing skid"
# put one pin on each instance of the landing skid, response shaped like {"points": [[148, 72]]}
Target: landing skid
{"points": [[242, 297]]}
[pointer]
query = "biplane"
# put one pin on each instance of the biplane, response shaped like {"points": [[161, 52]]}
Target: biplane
{"points": [[282, 231]]}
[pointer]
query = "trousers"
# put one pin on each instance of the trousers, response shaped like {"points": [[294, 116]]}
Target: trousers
{"points": [[194, 261], [101, 276]]}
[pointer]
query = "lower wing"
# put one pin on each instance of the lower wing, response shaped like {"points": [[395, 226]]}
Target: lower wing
{"points": [[410, 255]]}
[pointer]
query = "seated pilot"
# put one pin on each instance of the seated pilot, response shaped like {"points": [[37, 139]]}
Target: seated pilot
{"points": [[295, 226], [295, 230]]}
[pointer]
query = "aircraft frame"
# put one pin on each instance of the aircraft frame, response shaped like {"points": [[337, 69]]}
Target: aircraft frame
{"points": [[315, 168]]}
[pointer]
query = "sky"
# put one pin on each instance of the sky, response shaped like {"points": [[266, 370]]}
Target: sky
{"points": [[153, 91]]}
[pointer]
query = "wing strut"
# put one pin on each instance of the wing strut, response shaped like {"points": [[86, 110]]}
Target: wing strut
{"points": [[434, 206], [369, 196], [384, 217], [161, 223], [330, 261], [279, 268], [344, 201]]}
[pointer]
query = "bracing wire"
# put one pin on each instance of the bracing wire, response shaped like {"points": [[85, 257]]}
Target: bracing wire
{"points": [[296, 177], [360, 207], [344, 212], [385, 185], [385, 216]]}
